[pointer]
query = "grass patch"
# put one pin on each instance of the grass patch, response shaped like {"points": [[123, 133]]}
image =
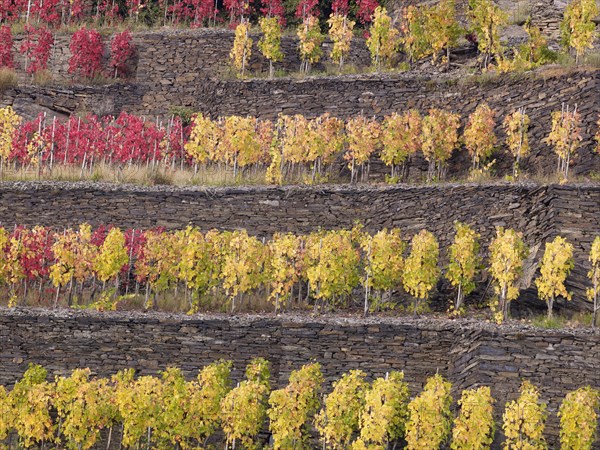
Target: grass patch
{"points": [[592, 60], [158, 174], [582, 319], [42, 77], [565, 60], [183, 112], [521, 12], [547, 323], [8, 79]]}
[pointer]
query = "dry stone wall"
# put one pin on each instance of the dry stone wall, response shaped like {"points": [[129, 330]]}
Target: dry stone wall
{"points": [[30, 101], [469, 353], [184, 56], [266, 210]]}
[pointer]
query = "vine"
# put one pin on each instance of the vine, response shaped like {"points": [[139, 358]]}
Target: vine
{"points": [[507, 255], [577, 29], [363, 136], [270, 42], [244, 409], [479, 135], [440, 139], [565, 136], [310, 40], [421, 272], [384, 39], [400, 140], [338, 420], [578, 415], [340, 33], [474, 427], [430, 418], [242, 47], [516, 126], [86, 53], [464, 262], [385, 412], [292, 407], [593, 292], [524, 420], [556, 265], [487, 20]]}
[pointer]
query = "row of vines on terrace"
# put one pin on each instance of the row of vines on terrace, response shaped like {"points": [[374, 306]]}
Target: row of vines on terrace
{"points": [[86, 47], [193, 13], [169, 412], [424, 31], [100, 268], [290, 148]]}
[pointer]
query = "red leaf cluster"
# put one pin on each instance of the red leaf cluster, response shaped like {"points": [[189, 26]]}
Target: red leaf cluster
{"points": [[36, 46], [87, 50], [125, 139], [121, 50], [307, 8], [6, 45], [366, 8]]}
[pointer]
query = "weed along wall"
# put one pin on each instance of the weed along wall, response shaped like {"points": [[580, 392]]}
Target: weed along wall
{"points": [[468, 353]]}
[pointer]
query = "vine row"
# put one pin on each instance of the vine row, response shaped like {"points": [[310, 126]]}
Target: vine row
{"points": [[230, 269], [289, 148], [170, 412]]}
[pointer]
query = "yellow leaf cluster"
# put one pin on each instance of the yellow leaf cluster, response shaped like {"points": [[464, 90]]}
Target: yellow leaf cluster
{"points": [[474, 427], [578, 30], [291, 408], [242, 47], [557, 263], [421, 271], [243, 411], [578, 415], [383, 40], [507, 254], [9, 121], [479, 135], [524, 420], [385, 412], [340, 33], [430, 418], [400, 137], [338, 420], [310, 40]]}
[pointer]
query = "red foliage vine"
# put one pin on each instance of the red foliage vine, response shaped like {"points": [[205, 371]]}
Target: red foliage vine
{"points": [[340, 7], [366, 8], [36, 46], [274, 8], [121, 49], [6, 45], [86, 53], [307, 8]]}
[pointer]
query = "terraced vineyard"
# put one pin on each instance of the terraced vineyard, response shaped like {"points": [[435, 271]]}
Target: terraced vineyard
{"points": [[346, 225]]}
